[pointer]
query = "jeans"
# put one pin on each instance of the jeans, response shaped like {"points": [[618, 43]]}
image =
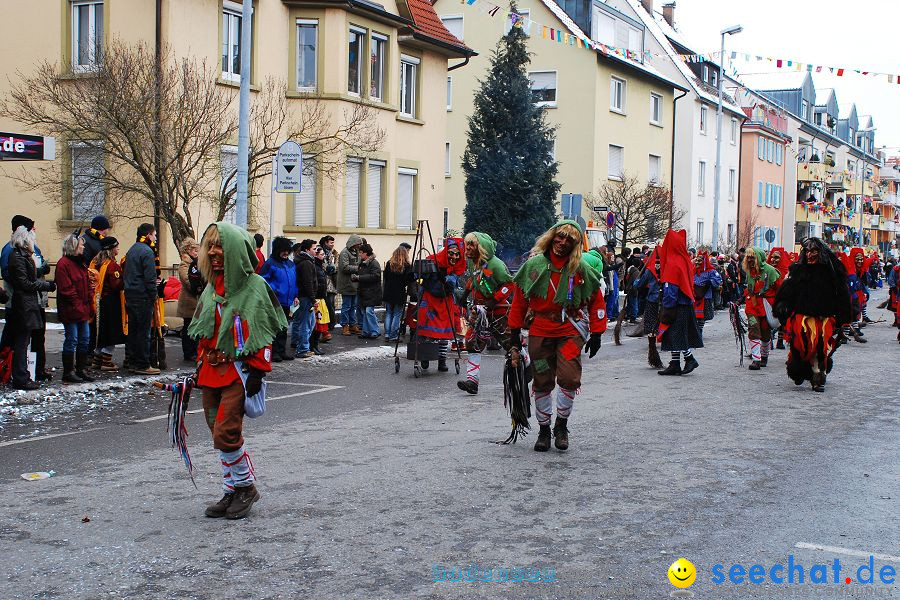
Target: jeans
{"points": [[140, 316], [77, 338], [302, 325], [631, 304], [349, 310], [393, 314], [370, 322]]}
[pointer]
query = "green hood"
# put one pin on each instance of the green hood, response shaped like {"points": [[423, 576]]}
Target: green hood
{"points": [[768, 273], [492, 275], [247, 295], [595, 259]]}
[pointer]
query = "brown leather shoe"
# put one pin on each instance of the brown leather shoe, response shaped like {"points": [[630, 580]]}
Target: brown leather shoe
{"points": [[345, 330], [240, 506], [561, 434], [218, 510], [543, 441], [355, 329]]}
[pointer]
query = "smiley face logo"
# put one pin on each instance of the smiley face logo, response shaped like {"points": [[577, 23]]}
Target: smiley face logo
{"points": [[682, 573]]}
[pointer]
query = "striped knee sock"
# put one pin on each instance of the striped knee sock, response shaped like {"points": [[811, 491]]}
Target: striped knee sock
{"points": [[564, 401], [688, 353], [444, 348], [474, 367], [543, 406], [755, 349], [676, 357], [241, 468]]}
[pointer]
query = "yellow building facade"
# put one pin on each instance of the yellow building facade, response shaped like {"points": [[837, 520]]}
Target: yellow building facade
{"points": [[613, 115], [391, 57]]}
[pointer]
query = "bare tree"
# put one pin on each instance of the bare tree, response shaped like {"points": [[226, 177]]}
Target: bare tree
{"points": [[170, 165], [746, 226], [643, 211]]}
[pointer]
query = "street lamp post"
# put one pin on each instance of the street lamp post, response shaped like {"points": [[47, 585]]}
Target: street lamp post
{"points": [[240, 204], [718, 168]]}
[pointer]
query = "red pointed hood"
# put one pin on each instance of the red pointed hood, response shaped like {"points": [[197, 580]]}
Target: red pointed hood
{"points": [[442, 261], [650, 262], [705, 264], [782, 265], [851, 260], [675, 262]]}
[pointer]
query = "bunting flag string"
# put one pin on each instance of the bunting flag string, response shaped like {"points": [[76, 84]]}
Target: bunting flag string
{"points": [[563, 37]]}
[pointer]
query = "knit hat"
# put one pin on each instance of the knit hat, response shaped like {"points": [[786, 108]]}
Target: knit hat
{"points": [[22, 221], [100, 223], [108, 242]]}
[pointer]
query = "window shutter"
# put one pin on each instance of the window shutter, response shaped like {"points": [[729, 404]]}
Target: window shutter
{"points": [[654, 168], [351, 193], [405, 193], [305, 201], [616, 161], [759, 194], [542, 81], [373, 194]]}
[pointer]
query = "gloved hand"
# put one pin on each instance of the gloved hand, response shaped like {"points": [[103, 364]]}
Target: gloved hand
{"points": [[354, 277], [50, 286], [593, 345], [515, 339], [254, 382]]}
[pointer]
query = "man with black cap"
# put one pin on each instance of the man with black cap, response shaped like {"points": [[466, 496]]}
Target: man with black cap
{"points": [[92, 237], [140, 298]]}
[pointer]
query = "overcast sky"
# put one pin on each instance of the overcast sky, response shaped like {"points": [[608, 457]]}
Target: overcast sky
{"points": [[859, 34]]}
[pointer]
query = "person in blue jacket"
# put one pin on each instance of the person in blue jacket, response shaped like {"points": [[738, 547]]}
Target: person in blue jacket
{"points": [[280, 273], [679, 332], [706, 281], [648, 285]]}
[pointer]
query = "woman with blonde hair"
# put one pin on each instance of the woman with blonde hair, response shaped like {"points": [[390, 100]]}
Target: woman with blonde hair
{"points": [[110, 286], [191, 285], [398, 275]]}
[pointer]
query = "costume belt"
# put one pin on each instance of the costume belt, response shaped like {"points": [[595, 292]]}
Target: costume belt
{"points": [[551, 315], [215, 358]]}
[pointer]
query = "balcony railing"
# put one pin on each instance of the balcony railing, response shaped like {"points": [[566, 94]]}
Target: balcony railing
{"points": [[812, 171]]}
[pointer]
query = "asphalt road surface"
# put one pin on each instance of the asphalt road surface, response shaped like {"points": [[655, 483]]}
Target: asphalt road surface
{"points": [[381, 485]]}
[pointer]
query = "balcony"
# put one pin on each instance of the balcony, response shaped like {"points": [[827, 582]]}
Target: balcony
{"points": [[804, 215], [893, 199], [811, 171], [872, 221]]}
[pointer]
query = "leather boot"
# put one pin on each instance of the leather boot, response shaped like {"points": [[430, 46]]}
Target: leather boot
{"points": [[561, 434], [857, 337], [243, 500], [345, 330], [689, 365], [161, 354], [355, 329], [468, 386], [442, 365], [543, 441], [69, 376], [674, 368], [218, 510], [780, 344], [756, 365], [96, 361], [81, 363]]}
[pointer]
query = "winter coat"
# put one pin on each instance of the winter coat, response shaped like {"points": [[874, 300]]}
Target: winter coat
{"points": [[25, 310], [188, 275], [321, 279], [348, 264], [706, 283], [140, 272], [91, 247], [307, 286], [281, 275], [330, 267], [396, 284], [74, 293], [370, 293]]}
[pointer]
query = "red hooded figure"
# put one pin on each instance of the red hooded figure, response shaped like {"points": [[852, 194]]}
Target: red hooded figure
{"points": [[438, 315]]}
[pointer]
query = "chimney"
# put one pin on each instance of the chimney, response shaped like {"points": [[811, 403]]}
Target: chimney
{"points": [[669, 13], [648, 6]]}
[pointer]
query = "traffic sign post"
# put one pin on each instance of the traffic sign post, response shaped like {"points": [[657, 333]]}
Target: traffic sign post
{"points": [[289, 168], [610, 220]]}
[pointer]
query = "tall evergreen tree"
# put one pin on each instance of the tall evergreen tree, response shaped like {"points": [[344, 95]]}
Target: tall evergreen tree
{"points": [[510, 186]]}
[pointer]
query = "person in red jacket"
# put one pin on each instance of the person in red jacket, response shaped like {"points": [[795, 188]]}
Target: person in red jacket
{"points": [[780, 259], [236, 320], [74, 303], [562, 292]]}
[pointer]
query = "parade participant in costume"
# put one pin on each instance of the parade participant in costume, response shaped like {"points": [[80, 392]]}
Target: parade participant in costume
{"points": [[438, 314], [812, 304], [706, 281], [237, 318], [853, 263], [109, 290], [192, 285], [893, 280], [649, 281], [562, 294], [780, 259], [761, 280], [679, 332], [490, 290]]}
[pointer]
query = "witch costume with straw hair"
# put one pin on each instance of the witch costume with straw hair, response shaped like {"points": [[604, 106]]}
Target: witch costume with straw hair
{"points": [[236, 319]]}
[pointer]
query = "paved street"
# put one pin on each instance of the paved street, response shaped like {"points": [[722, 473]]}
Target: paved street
{"points": [[375, 484]]}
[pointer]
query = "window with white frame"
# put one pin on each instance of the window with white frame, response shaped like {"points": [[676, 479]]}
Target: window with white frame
{"points": [[705, 75], [730, 236], [447, 159], [454, 24], [655, 169], [232, 23], [305, 200], [699, 231], [406, 193], [543, 87], [378, 51], [449, 92], [759, 193], [734, 131], [770, 151], [617, 94], [352, 188], [616, 162], [88, 189], [655, 109], [307, 54], [732, 183], [409, 73], [779, 153], [701, 179], [804, 110], [761, 148], [355, 49], [374, 187], [228, 164], [521, 22], [713, 77], [87, 35], [704, 114]]}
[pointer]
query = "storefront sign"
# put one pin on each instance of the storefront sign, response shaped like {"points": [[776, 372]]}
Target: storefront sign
{"points": [[18, 146]]}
